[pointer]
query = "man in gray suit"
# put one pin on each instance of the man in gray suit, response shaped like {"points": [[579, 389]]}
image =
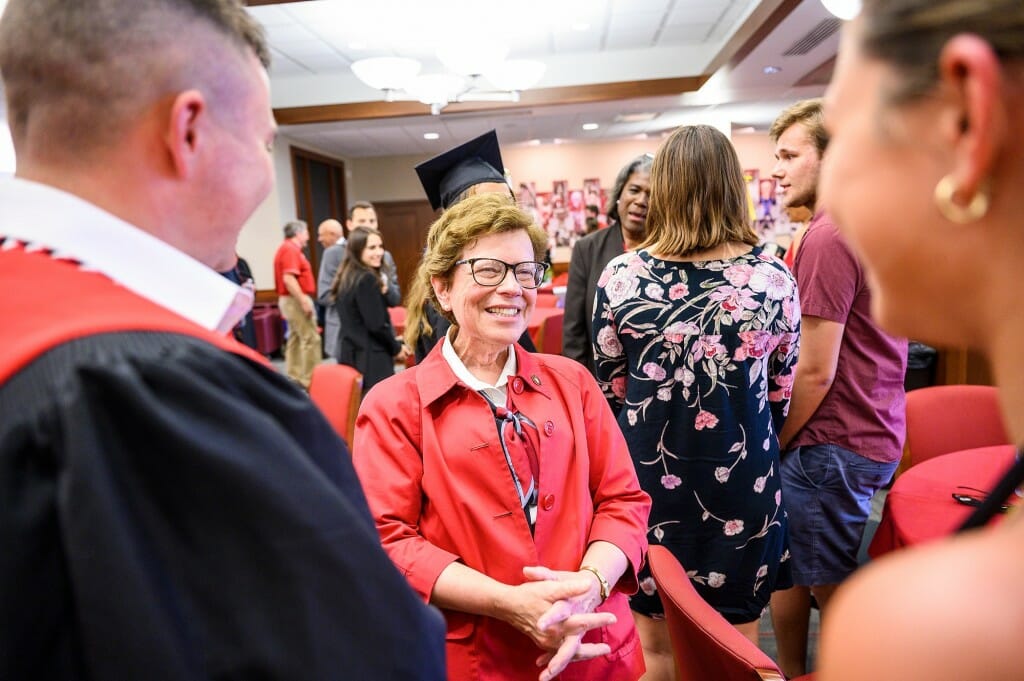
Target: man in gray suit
{"points": [[330, 236], [361, 214]]}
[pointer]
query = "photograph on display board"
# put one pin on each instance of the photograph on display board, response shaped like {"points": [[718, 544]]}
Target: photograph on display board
{"points": [[767, 208], [593, 195], [561, 227], [752, 177], [559, 189]]}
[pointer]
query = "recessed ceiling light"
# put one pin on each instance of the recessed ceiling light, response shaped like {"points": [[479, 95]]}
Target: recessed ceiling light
{"points": [[581, 26], [844, 9], [638, 117], [430, 135], [769, 70], [534, 143], [591, 126]]}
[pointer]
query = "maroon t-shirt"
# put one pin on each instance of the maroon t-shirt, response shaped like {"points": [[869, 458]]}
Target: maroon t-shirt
{"points": [[864, 411]]}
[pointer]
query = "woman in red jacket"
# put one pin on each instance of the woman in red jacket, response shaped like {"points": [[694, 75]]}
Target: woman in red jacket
{"points": [[502, 486]]}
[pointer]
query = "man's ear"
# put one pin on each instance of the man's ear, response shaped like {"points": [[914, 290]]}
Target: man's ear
{"points": [[970, 70], [183, 135]]}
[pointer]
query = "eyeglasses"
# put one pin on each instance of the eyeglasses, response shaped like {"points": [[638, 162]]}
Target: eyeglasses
{"points": [[491, 272]]}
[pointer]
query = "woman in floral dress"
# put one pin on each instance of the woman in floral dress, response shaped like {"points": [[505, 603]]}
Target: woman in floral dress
{"points": [[696, 337]]}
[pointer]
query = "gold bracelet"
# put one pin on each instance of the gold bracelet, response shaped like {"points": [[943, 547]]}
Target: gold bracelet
{"points": [[605, 588]]}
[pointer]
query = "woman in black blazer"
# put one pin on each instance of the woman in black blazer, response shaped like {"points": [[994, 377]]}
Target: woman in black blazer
{"points": [[627, 217], [367, 340]]}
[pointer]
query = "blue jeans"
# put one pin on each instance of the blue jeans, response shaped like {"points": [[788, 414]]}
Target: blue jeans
{"points": [[827, 491]]}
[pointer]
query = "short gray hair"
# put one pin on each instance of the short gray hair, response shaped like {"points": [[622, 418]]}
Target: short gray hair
{"points": [[293, 227]]}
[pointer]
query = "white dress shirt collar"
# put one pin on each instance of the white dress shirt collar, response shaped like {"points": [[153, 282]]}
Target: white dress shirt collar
{"points": [[496, 392], [46, 217]]}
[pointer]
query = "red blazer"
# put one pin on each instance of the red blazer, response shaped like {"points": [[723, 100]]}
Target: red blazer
{"points": [[427, 452]]}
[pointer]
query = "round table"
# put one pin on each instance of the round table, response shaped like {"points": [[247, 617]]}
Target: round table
{"points": [[920, 506]]}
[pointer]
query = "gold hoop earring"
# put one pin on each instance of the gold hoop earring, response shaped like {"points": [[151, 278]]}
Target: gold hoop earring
{"points": [[953, 211]]}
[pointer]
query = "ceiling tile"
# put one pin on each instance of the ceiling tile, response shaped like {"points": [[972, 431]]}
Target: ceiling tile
{"points": [[630, 40], [288, 33], [695, 14], [684, 33], [630, 6], [635, 21], [270, 15]]}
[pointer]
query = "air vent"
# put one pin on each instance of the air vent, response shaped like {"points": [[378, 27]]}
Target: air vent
{"points": [[813, 38]]}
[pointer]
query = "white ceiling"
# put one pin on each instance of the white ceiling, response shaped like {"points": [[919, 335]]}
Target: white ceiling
{"points": [[583, 42]]}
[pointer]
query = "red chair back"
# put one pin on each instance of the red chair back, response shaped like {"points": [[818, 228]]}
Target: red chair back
{"points": [[551, 334], [397, 315], [547, 300], [338, 389], [704, 644], [947, 418]]}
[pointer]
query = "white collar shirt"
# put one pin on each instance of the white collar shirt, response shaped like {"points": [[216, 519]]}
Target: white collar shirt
{"points": [[44, 217], [497, 392]]}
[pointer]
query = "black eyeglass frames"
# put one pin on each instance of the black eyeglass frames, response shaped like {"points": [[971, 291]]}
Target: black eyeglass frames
{"points": [[491, 271]]}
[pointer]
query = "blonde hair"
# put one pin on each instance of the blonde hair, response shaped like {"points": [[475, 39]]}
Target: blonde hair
{"points": [[457, 229], [809, 113], [698, 197]]}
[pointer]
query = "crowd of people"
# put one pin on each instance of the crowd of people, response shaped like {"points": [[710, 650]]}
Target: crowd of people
{"points": [[174, 507]]}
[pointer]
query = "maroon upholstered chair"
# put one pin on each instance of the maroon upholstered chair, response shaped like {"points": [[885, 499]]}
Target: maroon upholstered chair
{"points": [[948, 418], [705, 646]]}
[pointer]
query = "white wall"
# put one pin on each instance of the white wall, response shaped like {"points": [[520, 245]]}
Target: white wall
{"points": [[263, 233]]}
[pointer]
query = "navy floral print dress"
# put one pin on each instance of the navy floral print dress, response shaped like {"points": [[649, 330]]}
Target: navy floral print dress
{"points": [[697, 360]]}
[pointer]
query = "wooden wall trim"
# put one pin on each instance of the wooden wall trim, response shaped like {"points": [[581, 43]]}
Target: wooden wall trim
{"points": [[266, 295], [575, 94]]}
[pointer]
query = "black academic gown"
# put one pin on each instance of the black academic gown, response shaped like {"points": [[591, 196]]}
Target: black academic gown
{"points": [[170, 509]]}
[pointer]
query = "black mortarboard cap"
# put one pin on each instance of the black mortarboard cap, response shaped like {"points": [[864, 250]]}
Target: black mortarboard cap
{"points": [[446, 176]]}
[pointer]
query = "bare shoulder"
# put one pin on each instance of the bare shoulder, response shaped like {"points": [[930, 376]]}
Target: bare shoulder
{"points": [[948, 611]]}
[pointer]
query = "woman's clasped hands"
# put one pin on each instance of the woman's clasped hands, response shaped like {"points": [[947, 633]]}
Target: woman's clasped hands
{"points": [[555, 608]]}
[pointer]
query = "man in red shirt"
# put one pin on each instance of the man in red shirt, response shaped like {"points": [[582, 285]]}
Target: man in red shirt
{"points": [[296, 286]]}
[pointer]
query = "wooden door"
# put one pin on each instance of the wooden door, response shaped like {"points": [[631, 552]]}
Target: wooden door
{"points": [[404, 225], [319, 194]]}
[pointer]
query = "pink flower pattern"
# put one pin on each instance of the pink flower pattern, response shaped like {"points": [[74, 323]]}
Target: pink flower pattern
{"points": [[707, 350], [670, 481], [705, 419], [678, 292]]}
